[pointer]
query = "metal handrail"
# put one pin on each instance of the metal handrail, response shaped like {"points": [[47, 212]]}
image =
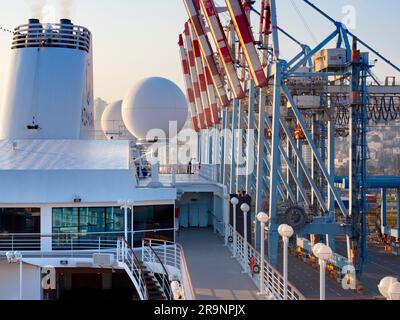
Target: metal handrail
{"points": [[209, 171], [70, 243], [49, 235], [130, 259], [166, 287], [153, 230], [273, 279], [65, 244], [173, 255]]}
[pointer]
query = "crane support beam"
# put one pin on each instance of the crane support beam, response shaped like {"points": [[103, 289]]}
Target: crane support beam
{"points": [[336, 23], [193, 10], [195, 79], [246, 39], [315, 152], [216, 119], [188, 85], [201, 77], [302, 164], [221, 42]]}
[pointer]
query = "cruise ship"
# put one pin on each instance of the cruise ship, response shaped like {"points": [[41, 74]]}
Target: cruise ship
{"points": [[226, 190]]}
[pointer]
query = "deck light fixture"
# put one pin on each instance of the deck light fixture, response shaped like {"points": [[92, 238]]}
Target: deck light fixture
{"points": [[234, 202], [263, 218], [323, 253], [385, 284], [245, 209], [286, 233]]}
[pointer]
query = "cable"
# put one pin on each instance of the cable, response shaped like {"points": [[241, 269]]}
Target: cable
{"points": [[304, 21]]}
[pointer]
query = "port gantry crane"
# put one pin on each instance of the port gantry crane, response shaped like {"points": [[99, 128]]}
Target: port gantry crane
{"points": [[287, 108]]}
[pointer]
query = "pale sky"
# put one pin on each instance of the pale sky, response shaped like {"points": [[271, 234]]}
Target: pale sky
{"points": [[134, 39]]}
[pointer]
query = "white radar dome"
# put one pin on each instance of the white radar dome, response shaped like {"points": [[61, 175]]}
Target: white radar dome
{"points": [[152, 104], [112, 124]]}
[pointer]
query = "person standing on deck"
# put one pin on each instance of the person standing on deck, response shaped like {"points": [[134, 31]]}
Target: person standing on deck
{"points": [[189, 168]]}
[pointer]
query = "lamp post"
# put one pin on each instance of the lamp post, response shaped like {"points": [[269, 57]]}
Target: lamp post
{"points": [[226, 219], [245, 209], [286, 232], [126, 205], [263, 218], [235, 202], [389, 287], [323, 253]]}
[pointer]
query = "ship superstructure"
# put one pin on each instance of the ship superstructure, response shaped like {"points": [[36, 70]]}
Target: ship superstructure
{"points": [[68, 200]]}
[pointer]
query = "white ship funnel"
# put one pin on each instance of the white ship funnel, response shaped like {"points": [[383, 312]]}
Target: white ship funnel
{"points": [[49, 88]]}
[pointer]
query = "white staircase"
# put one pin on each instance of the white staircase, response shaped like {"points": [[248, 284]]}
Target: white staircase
{"points": [[161, 264]]}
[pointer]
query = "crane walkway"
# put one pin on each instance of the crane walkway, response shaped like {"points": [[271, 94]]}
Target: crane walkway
{"points": [[215, 274]]}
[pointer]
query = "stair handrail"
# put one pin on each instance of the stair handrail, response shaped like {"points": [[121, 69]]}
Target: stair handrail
{"points": [[177, 261], [165, 278], [134, 265]]}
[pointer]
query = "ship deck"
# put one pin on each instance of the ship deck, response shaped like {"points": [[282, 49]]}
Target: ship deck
{"points": [[181, 179], [215, 274]]}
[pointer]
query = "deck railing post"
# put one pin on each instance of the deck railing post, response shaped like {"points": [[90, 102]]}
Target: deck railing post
{"points": [[118, 253], [175, 260], [72, 247], [143, 249]]}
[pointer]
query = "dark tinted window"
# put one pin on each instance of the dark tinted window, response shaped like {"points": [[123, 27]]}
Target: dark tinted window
{"points": [[153, 217], [19, 220]]}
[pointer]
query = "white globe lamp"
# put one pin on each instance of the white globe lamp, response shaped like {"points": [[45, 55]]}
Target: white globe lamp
{"points": [[235, 201], [262, 217], [324, 252], [384, 285], [394, 291], [245, 207], [315, 249], [285, 231]]}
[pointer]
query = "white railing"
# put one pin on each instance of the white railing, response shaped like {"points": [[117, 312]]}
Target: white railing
{"points": [[84, 245], [171, 256], [60, 244], [219, 226], [176, 169], [71, 244], [51, 35], [130, 262], [273, 280], [209, 171]]}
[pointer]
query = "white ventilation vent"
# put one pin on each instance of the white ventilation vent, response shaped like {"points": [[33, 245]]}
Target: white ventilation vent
{"points": [[103, 259]]}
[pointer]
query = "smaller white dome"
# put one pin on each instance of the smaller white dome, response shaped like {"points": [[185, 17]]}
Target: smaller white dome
{"points": [[112, 124]]}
